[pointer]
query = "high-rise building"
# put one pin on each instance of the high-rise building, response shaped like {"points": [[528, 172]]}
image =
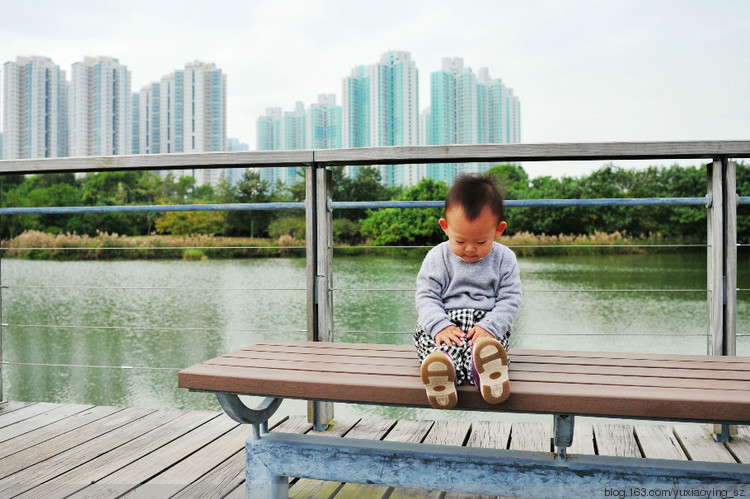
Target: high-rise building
{"points": [[169, 140], [318, 127], [184, 112], [100, 108], [146, 120], [503, 111], [468, 109], [269, 130], [294, 128], [276, 132], [324, 123], [381, 108], [270, 138], [34, 109]]}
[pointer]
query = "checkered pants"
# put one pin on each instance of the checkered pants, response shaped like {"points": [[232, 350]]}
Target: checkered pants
{"points": [[465, 319]]}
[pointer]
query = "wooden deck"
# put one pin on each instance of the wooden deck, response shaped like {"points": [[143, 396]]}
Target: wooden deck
{"points": [[82, 451]]}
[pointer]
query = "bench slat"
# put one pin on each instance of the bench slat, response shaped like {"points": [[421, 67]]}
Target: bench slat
{"points": [[623, 376]]}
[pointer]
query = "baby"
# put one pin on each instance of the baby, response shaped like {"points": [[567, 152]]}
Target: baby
{"points": [[468, 295]]}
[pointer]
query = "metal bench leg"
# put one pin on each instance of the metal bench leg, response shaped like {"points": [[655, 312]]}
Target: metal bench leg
{"points": [[262, 484], [564, 425]]}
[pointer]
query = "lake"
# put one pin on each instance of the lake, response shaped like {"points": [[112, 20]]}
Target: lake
{"points": [[155, 317]]}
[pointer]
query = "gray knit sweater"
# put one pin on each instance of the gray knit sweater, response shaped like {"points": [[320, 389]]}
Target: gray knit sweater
{"points": [[446, 282]]}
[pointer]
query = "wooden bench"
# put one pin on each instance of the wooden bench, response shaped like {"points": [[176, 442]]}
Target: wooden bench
{"points": [[564, 384]]}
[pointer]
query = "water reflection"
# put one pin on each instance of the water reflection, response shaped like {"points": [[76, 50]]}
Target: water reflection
{"points": [[169, 315]]}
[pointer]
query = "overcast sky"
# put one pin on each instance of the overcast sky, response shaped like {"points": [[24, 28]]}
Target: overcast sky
{"points": [[584, 70]]}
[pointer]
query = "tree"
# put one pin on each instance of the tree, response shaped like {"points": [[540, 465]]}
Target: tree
{"points": [[393, 226], [187, 223], [250, 189]]}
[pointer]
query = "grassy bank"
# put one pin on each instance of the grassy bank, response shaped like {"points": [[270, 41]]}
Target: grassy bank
{"points": [[36, 245]]}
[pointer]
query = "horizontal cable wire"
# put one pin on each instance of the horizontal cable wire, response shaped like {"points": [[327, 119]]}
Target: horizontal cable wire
{"points": [[146, 248], [157, 288], [154, 328], [537, 334], [569, 246], [553, 290], [89, 366]]}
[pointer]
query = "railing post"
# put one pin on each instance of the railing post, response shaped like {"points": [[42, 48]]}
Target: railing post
{"points": [[731, 200], [319, 273], [722, 266]]}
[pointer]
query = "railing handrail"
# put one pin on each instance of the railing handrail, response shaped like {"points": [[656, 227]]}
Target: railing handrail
{"points": [[584, 151], [721, 201]]}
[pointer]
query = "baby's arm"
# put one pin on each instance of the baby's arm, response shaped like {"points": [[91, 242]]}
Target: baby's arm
{"points": [[499, 320], [430, 282]]}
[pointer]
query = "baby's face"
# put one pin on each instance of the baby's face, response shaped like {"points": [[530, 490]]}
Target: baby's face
{"points": [[471, 240]]}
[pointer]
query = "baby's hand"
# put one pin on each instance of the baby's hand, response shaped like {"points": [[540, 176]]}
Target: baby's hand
{"points": [[450, 336], [478, 332]]}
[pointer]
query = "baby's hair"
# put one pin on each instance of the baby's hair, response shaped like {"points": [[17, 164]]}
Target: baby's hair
{"points": [[472, 193]]}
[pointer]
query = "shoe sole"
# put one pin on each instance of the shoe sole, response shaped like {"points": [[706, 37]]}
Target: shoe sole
{"points": [[439, 377], [491, 363]]}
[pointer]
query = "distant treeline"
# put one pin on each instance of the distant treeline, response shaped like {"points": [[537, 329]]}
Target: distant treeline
{"points": [[378, 227]]}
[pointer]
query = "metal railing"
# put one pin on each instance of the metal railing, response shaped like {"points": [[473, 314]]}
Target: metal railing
{"points": [[720, 201]]}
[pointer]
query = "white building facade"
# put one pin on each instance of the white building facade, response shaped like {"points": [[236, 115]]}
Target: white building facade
{"points": [[100, 109], [380, 107], [34, 109], [185, 112]]}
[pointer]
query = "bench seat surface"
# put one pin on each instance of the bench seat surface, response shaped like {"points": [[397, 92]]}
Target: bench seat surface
{"points": [[653, 386]]}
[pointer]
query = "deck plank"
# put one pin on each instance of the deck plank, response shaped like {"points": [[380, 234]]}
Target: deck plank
{"points": [[227, 476], [52, 432], [129, 425], [29, 456], [70, 471], [659, 442], [699, 445], [9, 406], [169, 426], [41, 420], [144, 453], [448, 432], [227, 450], [739, 446], [489, 434], [616, 440], [535, 437], [142, 470], [583, 440], [23, 413]]}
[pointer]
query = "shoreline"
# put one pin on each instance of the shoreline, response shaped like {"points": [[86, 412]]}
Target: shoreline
{"points": [[35, 245]]}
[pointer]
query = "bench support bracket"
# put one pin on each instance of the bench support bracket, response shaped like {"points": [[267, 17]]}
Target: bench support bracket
{"points": [[258, 416]]}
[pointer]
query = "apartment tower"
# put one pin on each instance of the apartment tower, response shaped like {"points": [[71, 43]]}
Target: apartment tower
{"points": [[380, 107], [34, 109], [100, 109]]}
